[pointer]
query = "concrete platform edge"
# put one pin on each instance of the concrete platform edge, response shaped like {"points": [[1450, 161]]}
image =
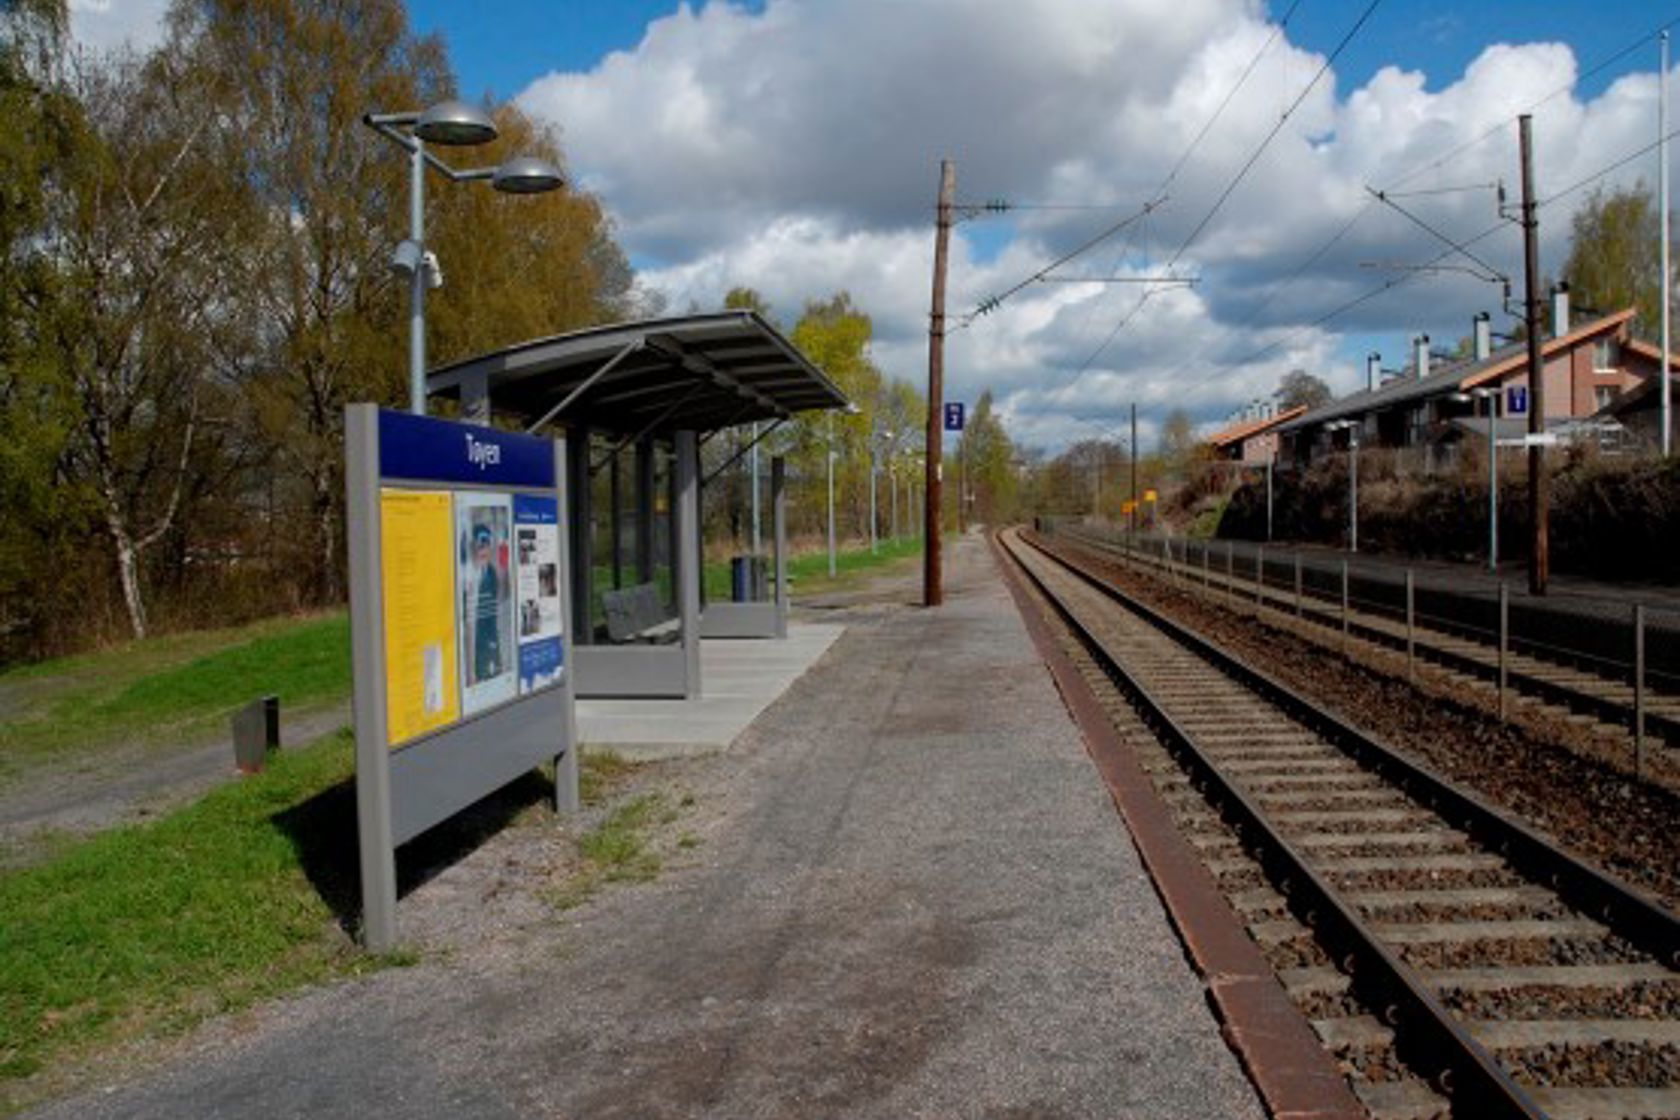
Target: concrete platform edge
{"points": [[1293, 1073]]}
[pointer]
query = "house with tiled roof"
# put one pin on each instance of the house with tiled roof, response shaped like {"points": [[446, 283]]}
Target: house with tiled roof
{"points": [[1638, 412], [1252, 439], [1436, 403]]}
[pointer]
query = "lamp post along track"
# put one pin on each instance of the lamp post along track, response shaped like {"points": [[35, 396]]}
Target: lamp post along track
{"points": [[1324, 806]]}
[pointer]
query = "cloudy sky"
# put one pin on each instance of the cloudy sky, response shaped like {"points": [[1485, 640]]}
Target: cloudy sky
{"points": [[793, 146]]}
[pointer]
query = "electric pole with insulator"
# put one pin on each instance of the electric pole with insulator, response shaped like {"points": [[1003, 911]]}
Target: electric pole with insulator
{"points": [[933, 591], [1539, 558]]}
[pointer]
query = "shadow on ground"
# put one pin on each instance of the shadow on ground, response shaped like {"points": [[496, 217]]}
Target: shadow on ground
{"points": [[322, 831]]}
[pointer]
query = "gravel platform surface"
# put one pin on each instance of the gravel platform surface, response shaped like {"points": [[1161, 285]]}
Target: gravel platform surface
{"points": [[913, 898]]}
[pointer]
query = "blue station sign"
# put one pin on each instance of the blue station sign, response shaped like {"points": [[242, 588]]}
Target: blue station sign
{"points": [[1516, 399], [954, 416], [424, 449]]}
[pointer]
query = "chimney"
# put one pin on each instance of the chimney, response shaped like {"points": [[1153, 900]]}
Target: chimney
{"points": [[1560, 309], [1483, 331], [1420, 355], [1373, 371]]}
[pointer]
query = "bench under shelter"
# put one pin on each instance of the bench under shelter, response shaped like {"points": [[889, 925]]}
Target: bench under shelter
{"points": [[636, 402]]}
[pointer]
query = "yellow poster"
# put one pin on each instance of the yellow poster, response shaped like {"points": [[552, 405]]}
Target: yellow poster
{"points": [[417, 567]]}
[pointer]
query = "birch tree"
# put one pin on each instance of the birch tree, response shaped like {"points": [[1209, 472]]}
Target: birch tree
{"points": [[137, 246]]}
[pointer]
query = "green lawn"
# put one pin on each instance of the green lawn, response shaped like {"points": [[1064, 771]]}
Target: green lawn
{"points": [[154, 926], [182, 688], [177, 688], [809, 571], [145, 930]]}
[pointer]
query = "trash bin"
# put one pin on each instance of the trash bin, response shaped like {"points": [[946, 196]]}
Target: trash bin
{"points": [[747, 579]]}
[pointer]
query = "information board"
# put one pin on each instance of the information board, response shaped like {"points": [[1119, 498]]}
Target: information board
{"points": [[421, 693], [458, 592]]}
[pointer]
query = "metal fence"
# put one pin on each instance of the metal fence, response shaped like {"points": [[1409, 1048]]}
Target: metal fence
{"points": [[1624, 640]]}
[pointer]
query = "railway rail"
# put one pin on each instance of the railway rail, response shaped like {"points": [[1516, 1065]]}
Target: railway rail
{"points": [[1590, 684], [1453, 958]]}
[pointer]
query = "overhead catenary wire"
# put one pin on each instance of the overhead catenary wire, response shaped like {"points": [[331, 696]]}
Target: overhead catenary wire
{"points": [[1398, 281], [993, 302], [1503, 122], [1237, 179], [1489, 272], [1440, 161]]}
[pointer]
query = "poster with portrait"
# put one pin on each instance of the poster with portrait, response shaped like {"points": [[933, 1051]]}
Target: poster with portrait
{"points": [[484, 586], [536, 529]]}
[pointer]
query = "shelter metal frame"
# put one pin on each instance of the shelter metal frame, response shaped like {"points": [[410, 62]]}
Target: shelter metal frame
{"points": [[651, 384]]}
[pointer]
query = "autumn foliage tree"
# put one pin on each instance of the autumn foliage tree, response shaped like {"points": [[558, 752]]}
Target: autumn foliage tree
{"points": [[196, 282]]}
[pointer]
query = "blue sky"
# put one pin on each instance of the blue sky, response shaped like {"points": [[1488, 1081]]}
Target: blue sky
{"points": [[525, 39], [794, 148]]}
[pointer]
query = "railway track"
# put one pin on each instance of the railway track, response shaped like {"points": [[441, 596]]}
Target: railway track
{"points": [[1578, 686], [1453, 959]]}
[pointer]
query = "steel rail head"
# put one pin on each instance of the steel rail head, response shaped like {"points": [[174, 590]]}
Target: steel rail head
{"points": [[1619, 905], [1438, 1043]]}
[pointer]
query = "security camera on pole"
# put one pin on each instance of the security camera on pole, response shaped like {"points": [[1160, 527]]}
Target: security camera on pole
{"points": [[457, 124]]}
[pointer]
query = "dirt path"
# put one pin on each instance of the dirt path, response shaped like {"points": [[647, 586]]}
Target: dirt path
{"points": [[124, 785]]}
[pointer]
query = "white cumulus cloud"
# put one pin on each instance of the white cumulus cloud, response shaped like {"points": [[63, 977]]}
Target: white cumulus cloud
{"points": [[795, 150]]}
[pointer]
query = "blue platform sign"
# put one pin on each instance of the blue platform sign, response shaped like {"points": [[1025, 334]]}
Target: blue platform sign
{"points": [[425, 449], [1516, 399], [954, 416]]}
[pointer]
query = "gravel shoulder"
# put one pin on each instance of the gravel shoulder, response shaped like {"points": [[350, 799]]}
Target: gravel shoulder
{"points": [[903, 892]]}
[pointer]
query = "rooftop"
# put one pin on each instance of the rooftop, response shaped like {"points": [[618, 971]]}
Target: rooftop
{"points": [[1453, 376], [697, 372]]}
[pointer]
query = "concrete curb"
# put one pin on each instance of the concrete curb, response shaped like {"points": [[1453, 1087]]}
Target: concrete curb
{"points": [[1295, 1075]]}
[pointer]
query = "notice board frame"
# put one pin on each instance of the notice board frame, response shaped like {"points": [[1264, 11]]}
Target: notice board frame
{"points": [[403, 790]]}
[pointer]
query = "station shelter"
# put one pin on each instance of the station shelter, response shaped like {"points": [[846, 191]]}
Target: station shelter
{"points": [[637, 402]]}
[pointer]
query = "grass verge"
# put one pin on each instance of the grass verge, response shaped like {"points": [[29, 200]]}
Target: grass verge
{"points": [[174, 688], [148, 929], [809, 573], [618, 850]]}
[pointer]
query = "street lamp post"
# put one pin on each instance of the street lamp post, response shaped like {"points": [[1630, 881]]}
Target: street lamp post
{"points": [[1491, 395], [892, 488], [872, 473], [1351, 427], [876, 439], [455, 124], [831, 556]]}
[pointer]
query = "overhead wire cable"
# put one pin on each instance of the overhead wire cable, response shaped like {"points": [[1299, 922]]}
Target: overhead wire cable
{"points": [[1160, 192], [1597, 68], [1395, 282], [1241, 174], [1492, 273], [1494, 130], [1207, 125], [993, 301]]}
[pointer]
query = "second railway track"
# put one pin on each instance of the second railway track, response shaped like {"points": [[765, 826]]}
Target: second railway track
{"points": [[1451, 957]]}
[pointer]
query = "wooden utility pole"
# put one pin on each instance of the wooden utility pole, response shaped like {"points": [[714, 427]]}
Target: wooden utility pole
{"points": [[933, 590], [1539, 556]]}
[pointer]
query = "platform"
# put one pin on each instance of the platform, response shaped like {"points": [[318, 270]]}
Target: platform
{"points": [[906, 893], [740, 679]]}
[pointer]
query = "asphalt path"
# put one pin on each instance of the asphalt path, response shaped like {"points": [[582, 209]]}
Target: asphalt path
{"points": [[915, 899]]}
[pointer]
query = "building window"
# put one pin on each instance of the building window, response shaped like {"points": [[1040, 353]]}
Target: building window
{"points": [[1603, 395], [1604, 354]]}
